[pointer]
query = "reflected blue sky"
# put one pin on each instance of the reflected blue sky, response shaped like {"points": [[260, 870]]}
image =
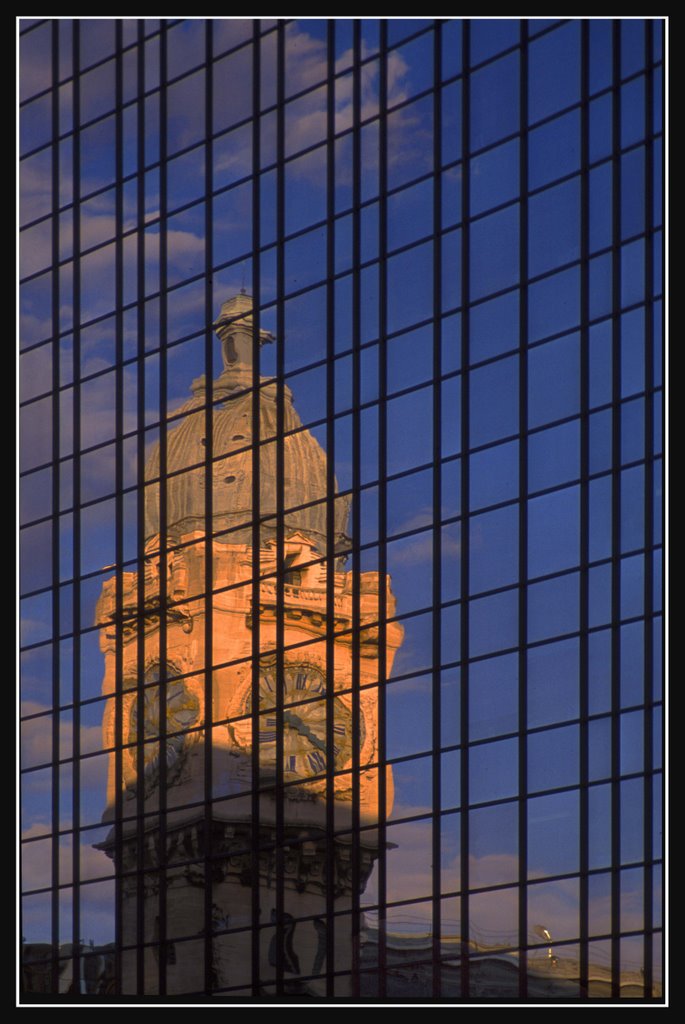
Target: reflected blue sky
{"points": [[541, 394]]}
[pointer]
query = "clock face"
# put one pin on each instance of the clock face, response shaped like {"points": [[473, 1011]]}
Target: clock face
{"points": [[304, 722], [182, 711]]}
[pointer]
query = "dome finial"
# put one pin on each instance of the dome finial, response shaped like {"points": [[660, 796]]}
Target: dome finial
{"points": [[234, 328]]}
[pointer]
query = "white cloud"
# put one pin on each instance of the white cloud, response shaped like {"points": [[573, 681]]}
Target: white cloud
{"points": [[36, 858], [35, 250], [418, 549], [35, 629], [96, 900], [306, 126], [35, 187], [421, 517], [36, 740], [307, 118], [409, 876], [35, 66], [33, 326]]}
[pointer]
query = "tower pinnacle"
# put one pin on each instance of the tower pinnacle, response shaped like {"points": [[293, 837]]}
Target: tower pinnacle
{"points": [[234, 328]]}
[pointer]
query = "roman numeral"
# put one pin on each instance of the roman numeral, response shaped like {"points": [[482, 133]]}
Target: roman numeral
{"points": [[317, 761]]}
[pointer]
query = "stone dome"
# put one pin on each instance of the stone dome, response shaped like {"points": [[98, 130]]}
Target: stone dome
{"points": [[232, 455]]}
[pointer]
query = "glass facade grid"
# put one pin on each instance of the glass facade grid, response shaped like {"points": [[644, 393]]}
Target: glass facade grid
{"points": [[411, 508]]}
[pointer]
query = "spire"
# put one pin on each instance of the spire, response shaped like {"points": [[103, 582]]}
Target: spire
{"points": [[234, 328]]}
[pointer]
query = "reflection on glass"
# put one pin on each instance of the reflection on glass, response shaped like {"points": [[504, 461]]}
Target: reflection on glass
{"points": [[340, 393]]}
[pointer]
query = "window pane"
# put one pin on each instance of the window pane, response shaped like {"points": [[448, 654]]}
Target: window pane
{"points": [[492, 121], [340, 507]]}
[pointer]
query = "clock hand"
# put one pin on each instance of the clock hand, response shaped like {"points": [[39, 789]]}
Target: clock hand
{"points": [[291, 719]]}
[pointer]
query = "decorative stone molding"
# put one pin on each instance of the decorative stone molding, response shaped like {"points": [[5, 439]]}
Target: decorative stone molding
{"points": [[229, 848]]}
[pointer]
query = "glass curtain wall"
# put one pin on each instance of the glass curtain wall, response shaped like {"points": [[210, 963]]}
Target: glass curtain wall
{"points": [[341, 532]]}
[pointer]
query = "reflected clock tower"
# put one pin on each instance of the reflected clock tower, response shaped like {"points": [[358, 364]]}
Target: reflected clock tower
{"points": [[153, 635]]}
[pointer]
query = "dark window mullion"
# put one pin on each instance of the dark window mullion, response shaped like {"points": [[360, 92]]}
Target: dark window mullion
{"points": [[448, 521], [209, 979], [139, 698], [137, 842], [436, 682], [648, 664], [404, 186], [584, 648], [310, 425], [239, 183], [331, 538], [76, 558], [296, 293], [382, 487], [119, 509], [255, 934], [55, 524], [161, 937], [523, 527], [30, 28], [464, 967], [356, 514], [280, 502], [616, 523]]}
